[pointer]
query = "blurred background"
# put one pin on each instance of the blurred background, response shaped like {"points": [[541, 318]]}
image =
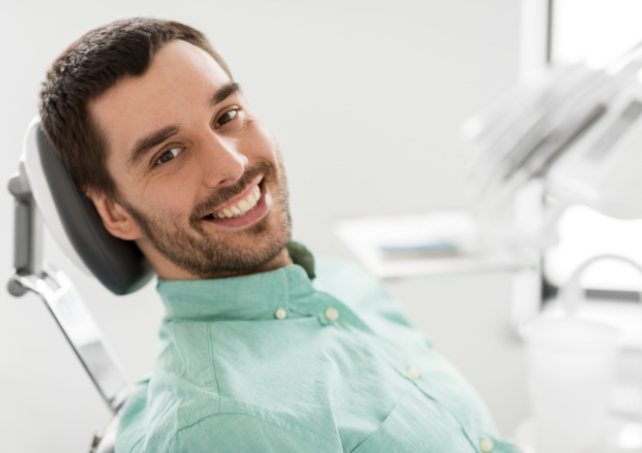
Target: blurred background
{"points": [[367, 99]]}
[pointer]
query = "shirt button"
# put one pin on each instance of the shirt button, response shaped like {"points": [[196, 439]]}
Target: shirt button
{"points": [[413, 373], [280, 313], [486, 445], [331, 314]]}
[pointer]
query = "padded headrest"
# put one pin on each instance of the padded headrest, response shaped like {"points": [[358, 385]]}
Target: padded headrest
{"points": [[74, 223]]}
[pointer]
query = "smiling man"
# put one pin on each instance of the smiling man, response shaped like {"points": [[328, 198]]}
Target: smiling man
{"points": [[198, 180], [259, 351]]}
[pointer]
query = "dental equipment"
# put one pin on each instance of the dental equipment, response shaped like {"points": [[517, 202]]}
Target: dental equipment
{"points": [[577, 132], [573, 139]]}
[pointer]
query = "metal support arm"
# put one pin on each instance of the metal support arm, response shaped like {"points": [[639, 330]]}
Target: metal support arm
{"points": [[56, 291]]}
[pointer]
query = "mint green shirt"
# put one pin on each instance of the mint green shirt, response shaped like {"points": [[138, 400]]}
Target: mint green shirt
{"points": [[276, 362]]}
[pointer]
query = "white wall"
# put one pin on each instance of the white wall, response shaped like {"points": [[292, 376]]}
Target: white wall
{"points": [[366, 99]]}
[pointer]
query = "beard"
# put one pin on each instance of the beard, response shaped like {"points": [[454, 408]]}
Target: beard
{"points": [[210, 255]]}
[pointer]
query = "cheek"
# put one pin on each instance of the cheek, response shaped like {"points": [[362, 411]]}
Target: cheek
{"points": [[171, 197], [160, 195]]}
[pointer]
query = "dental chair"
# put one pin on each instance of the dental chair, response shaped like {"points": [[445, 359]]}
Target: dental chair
{"points": [[45, 192]]}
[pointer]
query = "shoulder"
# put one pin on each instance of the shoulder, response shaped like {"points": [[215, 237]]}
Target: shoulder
{"points": [[359, 289], [346, 279]]}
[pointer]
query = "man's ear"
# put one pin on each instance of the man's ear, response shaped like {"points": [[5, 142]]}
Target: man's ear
{"points": [[116, 220]]}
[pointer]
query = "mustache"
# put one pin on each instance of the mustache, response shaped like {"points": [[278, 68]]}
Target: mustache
{"points": [[223, 194]]}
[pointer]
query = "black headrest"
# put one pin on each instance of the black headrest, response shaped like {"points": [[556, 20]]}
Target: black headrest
{"points": [[117, 264]]}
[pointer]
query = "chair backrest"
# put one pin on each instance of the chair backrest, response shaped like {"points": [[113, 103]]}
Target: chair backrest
{"points": [[74, 223]]}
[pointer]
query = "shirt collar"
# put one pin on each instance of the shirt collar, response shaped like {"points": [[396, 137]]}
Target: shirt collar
{"points": [[249, 297]]}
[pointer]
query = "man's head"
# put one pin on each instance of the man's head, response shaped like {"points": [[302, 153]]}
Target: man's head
{"points": [[151, 125]]}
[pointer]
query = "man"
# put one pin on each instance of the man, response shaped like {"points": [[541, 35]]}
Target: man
{"points": [[257, 355]]}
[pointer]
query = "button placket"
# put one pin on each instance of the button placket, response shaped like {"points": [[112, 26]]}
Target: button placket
{"points": [[331, 314], [328, 315], [280, 313], [413, 373], [486, 445]]}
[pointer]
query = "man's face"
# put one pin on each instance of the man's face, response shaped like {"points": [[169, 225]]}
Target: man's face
{"points": [[199, 180]]}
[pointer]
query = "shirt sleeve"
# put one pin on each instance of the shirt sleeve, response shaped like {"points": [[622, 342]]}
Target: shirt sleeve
{"points": [[243, 433]]}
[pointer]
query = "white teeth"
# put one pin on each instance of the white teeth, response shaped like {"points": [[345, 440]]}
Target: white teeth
{"points": [[241, 207]]}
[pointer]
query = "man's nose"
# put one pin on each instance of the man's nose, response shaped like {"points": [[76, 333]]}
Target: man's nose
{"points": [[222, 163]]}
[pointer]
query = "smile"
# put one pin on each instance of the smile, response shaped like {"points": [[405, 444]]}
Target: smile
{"points": [[241, 207], [245, 209]]}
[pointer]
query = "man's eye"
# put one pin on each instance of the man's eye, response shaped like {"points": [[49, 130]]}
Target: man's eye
{"points": [[167, 155], [227, 117]]}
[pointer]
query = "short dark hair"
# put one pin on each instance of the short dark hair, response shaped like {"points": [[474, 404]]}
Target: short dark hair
{"points": [[88, 68]]}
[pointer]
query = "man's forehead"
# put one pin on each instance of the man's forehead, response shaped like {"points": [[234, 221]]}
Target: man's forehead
{"points": [[180, 80]]}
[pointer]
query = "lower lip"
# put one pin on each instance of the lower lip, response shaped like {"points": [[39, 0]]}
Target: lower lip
{"points": [[251, 217]]}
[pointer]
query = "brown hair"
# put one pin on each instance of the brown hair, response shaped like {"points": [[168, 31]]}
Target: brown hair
{"points": [[88, 68]]}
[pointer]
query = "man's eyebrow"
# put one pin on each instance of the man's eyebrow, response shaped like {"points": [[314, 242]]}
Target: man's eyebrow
{"points": [[145, 144], [224, 92]]}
